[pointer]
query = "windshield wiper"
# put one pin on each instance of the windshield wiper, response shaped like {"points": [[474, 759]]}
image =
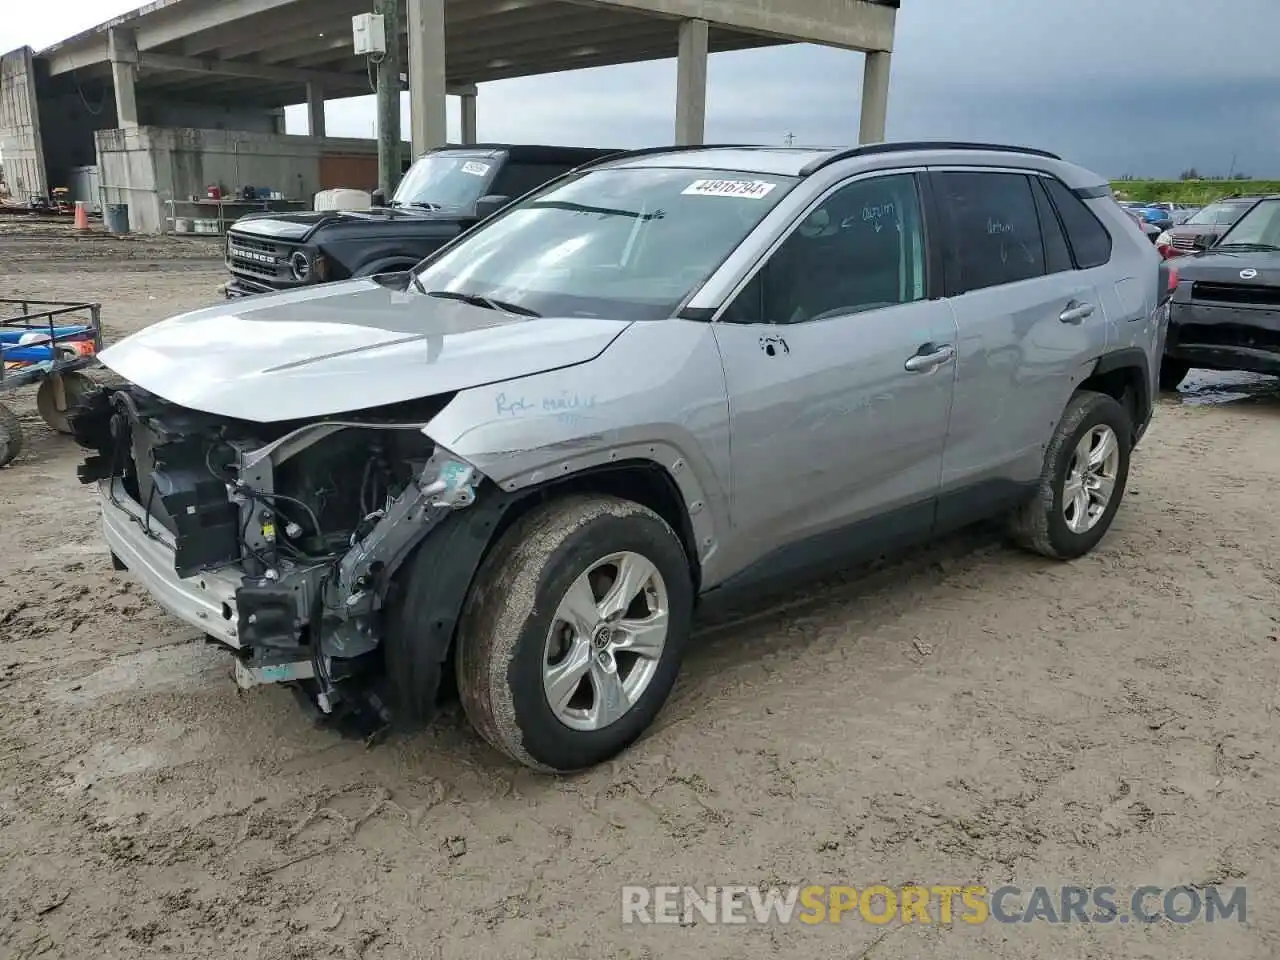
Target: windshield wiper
{"points": [[602, 211], [477, 300], [1247, 246]]}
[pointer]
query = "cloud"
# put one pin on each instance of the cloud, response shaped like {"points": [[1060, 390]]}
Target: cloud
{"points": [[1141, 86]]}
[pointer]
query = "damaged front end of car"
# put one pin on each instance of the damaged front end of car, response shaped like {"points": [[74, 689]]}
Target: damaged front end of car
{"points": [[280, 541]]}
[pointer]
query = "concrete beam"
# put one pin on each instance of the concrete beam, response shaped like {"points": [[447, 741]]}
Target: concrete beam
{"points": [[470, 132], [123, 51], [428, 121], [875, 98], [852, 24], [315, 110], [691, 82], [347, 84]]}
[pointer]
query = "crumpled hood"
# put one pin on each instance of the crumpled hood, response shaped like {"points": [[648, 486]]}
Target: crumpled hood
{"points": [[343, 347]]}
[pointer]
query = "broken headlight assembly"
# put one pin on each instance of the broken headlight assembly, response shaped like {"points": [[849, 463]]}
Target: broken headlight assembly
{"points": [[313, 518]]}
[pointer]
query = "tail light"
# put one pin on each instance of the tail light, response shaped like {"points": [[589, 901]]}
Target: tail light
{"points": [[1168, 281]]}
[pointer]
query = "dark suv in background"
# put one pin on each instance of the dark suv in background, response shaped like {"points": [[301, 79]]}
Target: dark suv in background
{"points": [[1202, 229], [444, 193]]}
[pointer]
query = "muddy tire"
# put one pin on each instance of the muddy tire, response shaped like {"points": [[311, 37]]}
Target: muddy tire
{"points": [[1172, 373], [11, 436], [75, 386], [572, 636], [1083, 480]]}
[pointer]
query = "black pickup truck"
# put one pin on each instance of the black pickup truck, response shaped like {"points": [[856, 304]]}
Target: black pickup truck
{"points": [[445, 192]]}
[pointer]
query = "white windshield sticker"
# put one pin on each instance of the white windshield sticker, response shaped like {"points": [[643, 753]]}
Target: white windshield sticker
{"points": [[751, 189], [475, 168]]}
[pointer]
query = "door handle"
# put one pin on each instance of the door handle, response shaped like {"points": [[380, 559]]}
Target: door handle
{"points": [[928, 362], [1076, 312]]}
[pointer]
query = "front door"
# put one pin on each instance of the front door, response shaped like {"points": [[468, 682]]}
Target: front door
{"points": [[839, 374]]}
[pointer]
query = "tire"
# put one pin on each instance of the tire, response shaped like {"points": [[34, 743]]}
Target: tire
{"points": [[11, 436], [1172, 373], [1041, 524], [75, 386], [506, 639]]}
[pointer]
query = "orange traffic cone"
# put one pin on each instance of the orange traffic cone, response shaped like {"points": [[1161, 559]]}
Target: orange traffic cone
{"points": [[82, 215]]}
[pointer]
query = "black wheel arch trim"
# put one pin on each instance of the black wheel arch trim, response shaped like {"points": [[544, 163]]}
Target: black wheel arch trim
{"points": [[396, 264], [1130, 358]]}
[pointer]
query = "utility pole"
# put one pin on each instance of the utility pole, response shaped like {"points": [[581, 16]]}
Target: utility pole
{"points": [[789, 139], [389, 85]]}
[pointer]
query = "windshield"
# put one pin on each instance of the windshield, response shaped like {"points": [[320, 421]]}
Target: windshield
{"points": [[445, 181], [629, 244], [1259, 227], [1219, 213]]}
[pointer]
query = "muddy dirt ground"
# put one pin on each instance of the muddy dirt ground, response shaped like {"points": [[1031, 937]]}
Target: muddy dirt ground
{"points": [[968, 715]]}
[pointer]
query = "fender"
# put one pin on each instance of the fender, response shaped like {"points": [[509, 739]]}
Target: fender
{"points": [[671, 411], [395, 264]]}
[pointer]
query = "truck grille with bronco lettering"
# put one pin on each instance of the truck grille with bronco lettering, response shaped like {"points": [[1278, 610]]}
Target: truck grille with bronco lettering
{"points": [[259, 260]]}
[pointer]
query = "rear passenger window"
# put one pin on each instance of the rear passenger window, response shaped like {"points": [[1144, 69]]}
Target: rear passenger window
{"points": [[1089, 239], [994, 229], [1057, 256]]}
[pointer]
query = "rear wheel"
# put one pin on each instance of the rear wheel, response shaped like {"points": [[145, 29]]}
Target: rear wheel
{"points": [[572, 636], [1083, 480], [1172, 373]]}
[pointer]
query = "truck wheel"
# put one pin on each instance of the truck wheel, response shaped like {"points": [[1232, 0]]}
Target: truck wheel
{"points": [[1172, 373], [10, 436], [571, 639], [75, 387], [1083, 480]]}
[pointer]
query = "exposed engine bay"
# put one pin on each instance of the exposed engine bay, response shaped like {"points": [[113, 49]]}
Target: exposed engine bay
{"points": [[311, 518]]}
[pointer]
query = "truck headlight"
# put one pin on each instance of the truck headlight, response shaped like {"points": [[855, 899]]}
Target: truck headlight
{"points": [[300, 267]]}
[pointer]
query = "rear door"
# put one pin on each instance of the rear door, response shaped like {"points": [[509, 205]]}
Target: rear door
{"points": [[1028, 326], [839, 371]]}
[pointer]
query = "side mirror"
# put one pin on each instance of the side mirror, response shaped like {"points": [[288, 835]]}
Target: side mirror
{"points": [[490, 204], [378, 198]]}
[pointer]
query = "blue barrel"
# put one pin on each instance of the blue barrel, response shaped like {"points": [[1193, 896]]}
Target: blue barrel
{"points": [[115, 217]]}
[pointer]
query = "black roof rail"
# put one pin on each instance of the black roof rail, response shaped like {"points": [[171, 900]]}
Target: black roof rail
{"points": [[678, 148], [871, 149]]}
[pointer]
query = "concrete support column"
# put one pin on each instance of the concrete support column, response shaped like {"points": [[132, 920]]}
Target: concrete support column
{"points": [[875, 97], [122, 49], [427, 87], [691, 83], [315, 109], [470, 134]]}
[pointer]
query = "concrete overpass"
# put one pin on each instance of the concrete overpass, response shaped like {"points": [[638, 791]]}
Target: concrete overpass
{"points": [[270, 53], [181, 94]]}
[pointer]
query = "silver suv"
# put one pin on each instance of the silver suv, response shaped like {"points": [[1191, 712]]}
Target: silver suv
{"points": [[663, 378]]}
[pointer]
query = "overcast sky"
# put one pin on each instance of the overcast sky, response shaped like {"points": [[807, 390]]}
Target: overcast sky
{"points": [[1144, 87]]}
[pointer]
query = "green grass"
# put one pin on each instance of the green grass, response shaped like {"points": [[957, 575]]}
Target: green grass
{"points": [[1198, 192]]}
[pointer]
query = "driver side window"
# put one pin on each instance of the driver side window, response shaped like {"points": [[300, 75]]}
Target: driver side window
{"points": [[860, 249]]}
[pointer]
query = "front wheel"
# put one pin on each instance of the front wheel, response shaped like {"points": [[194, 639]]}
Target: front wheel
{"points": [[1172, 373], [1083, 480], [572, 636]]}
